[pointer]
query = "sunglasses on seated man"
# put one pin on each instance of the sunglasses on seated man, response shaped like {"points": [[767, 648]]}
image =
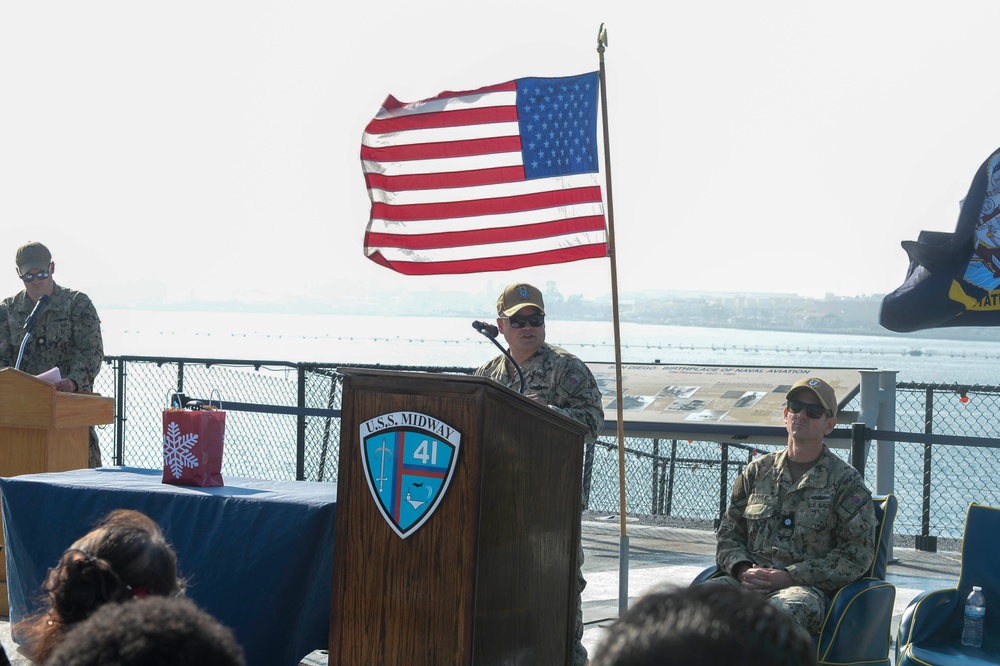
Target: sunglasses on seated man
{"points": [[31, 276], [517, 321], [812, 411]]}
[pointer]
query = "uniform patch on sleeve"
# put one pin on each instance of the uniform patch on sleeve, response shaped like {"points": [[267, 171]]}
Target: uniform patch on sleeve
{"points": [[854, 501]]}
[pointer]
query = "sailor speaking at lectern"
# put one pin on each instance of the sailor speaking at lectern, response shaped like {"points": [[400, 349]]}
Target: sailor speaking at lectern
{"points": [[553, 377], [61, 325]]}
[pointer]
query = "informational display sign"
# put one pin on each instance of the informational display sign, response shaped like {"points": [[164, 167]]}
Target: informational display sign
{"points": [[730, 395]]}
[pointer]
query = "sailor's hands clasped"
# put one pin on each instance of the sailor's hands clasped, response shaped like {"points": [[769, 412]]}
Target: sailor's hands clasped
{"points": [[764, 581]]}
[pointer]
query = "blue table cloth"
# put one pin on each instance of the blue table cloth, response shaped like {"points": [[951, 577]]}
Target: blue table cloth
{"points": [[257, 555]]}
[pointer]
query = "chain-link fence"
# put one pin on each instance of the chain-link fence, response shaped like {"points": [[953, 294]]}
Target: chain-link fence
{"points": [[283, 422], [935, 483], [672, 481], [282, 419], [257, 444]]}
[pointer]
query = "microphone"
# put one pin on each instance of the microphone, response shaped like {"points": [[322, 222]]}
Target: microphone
{"points": [[29, 323], [488, 330]]}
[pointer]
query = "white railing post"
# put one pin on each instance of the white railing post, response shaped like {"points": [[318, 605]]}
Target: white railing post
{"points": [[885, 462], [869, 410]]}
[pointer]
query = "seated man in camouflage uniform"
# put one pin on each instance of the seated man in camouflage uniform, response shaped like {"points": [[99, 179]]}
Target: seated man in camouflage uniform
{"points": [[552, 377], [800, 523], [67, 334]]}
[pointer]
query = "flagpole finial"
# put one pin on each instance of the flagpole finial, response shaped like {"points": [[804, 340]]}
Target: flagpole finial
{"points": [[602, 39]]}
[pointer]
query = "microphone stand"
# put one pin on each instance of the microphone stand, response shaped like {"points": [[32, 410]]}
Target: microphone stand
{"points": [[490, 332], [29, 326], [20, 352]]}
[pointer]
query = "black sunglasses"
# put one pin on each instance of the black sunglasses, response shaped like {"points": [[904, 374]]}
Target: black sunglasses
{"points": [[812, 411], [31, 276], [536, 320]]}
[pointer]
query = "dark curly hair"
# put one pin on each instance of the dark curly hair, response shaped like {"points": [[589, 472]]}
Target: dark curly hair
{"points": [[704, 625], [80, 583], [155, 631], [124, 557]]}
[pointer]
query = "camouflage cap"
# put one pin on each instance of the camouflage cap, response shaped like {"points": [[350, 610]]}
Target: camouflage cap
{"points": [[823, 392], [518, 296], [33, 255]]}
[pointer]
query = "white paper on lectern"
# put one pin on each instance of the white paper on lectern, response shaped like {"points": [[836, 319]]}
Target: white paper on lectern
{"points": [[51, 376]]}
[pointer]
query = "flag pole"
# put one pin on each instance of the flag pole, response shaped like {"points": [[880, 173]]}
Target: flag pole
{"points": [[602, 44]]}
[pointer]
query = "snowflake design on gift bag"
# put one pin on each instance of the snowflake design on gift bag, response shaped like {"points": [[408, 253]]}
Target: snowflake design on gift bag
{"points": [[177, 449]]}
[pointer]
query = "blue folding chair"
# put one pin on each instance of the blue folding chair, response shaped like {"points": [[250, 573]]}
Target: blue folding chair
{"points": [[858, 624], [930, 632]]}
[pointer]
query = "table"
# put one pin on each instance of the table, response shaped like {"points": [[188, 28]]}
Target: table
{"points": [[257, 555]]}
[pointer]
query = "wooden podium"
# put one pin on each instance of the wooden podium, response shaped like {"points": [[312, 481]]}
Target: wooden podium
{"points": [[43, 430], [490, 576]]}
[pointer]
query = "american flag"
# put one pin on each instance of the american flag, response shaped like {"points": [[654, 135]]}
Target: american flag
{"points": [[493, 179]]}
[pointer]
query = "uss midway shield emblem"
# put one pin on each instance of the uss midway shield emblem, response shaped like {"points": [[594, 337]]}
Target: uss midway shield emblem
{"points": [[408, 459]]}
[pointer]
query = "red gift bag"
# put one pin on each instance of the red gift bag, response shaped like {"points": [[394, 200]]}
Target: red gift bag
{"points": [[192, 446]]}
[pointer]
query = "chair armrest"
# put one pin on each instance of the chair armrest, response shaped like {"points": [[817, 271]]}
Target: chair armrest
{"points": [[926, 614], [711, 572], [858, 623]]}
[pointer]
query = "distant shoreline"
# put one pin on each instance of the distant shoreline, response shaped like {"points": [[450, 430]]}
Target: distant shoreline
{"points": [[959, 333]]}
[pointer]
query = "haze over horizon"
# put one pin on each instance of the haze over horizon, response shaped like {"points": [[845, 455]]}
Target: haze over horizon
{"points": [[486, 294]]}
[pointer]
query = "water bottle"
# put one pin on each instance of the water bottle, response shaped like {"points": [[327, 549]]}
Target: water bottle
{"points": [[975, 613]]}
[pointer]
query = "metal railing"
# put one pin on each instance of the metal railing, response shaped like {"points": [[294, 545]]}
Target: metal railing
{"points": [[283, 422]]}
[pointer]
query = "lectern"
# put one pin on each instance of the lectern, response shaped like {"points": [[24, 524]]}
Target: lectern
{"points": [[458, 519], [43, 430]]}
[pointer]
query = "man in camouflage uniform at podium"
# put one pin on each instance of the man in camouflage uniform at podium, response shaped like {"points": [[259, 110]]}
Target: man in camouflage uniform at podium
{"points": [[552, 377], [66, 335]]}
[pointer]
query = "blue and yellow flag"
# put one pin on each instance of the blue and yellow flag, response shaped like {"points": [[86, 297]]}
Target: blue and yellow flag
{"points": [[954, 278]]}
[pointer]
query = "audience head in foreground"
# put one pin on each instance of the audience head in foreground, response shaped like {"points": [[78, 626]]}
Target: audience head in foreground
{"points": [[154, 631], [124, 557], [704, 625]]}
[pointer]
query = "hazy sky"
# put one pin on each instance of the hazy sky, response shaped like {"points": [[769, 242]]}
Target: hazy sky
{"points": [[210, 149]]}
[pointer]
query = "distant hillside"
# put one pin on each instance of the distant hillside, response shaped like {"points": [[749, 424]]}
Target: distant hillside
{"points": [[856, 315]]}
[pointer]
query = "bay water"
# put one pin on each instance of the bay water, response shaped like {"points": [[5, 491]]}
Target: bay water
{"points": [[452, 342]]}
